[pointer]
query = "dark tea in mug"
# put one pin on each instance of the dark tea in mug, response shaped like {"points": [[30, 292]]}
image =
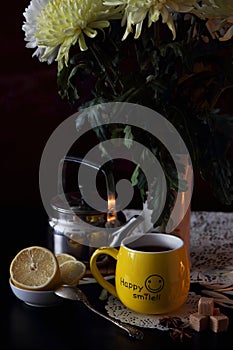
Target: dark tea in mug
{"points": [[151, 248]]}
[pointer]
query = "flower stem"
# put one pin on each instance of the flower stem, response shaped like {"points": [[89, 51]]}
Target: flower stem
{"points": [[103, 68]]}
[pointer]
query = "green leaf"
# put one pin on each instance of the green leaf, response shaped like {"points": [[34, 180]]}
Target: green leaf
{"points": [[135, 175]]}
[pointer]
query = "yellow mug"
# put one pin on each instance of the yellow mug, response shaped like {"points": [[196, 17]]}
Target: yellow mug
{"points": [[152, 273]]}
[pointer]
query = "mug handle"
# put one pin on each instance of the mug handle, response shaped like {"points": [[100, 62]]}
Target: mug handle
{"points": [[113, 252]]}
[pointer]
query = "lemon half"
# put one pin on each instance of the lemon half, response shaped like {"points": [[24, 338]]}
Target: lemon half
{"points": [[35, 268]]}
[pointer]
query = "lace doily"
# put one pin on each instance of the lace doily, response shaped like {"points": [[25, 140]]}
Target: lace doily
{"points": [[117, 310], [211, 247]]}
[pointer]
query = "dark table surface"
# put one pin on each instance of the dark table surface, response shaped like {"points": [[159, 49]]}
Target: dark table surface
{"points": [[71, 324]]}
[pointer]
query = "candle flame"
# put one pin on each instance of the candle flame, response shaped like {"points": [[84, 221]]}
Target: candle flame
{"points": [[112, 214]]}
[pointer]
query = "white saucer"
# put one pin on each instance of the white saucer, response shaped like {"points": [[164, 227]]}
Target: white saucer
{"points": [[36, 298]]}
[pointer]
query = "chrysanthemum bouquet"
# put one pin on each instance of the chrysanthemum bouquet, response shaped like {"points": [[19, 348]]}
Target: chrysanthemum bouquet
{"points": [[173, 56]]}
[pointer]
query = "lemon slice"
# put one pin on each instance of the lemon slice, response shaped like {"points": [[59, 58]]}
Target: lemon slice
{"points": [[35, 268], [72, 271], [63, 257]]}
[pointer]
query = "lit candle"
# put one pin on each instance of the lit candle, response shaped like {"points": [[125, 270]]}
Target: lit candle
{"points": [[112, 214]]}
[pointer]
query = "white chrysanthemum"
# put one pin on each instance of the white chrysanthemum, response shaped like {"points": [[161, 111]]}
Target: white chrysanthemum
{"points": [[53, 26], [136, 11], [30, 26]]}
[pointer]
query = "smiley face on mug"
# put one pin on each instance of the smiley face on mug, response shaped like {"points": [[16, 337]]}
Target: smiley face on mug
{"points": [[154, 283]]}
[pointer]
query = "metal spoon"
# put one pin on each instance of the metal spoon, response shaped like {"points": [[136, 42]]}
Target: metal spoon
{"points": [[74, 293]]}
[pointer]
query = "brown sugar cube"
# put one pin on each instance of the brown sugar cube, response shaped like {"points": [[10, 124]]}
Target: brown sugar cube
{"points": [[206, 306], [198, 322], [217, 311], [219, 323]]}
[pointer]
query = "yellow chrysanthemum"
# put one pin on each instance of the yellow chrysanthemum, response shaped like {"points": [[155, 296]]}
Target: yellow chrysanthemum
{"points": [[136, 11], [62, 23]]}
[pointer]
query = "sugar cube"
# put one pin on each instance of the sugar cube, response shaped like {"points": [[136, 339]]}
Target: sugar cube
{"points": [[206, 306], [219, 323], [198, 322]]}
